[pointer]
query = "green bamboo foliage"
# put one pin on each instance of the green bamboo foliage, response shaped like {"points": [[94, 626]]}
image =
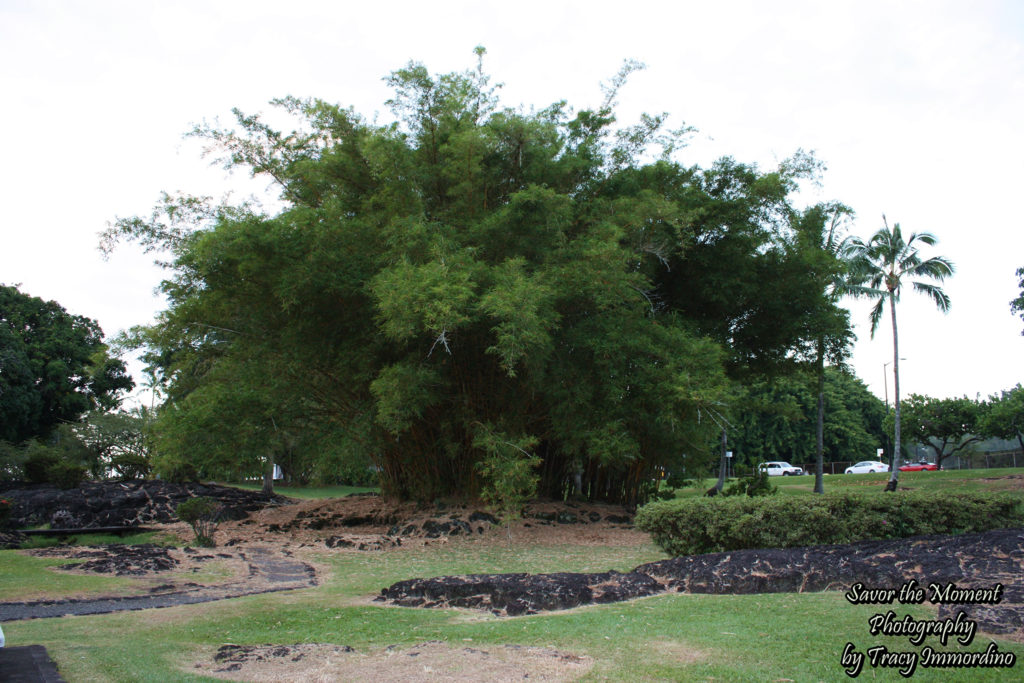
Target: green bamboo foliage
{"points": [[466, 264]]}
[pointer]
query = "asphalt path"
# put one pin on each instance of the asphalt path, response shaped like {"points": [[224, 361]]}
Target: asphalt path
{"points": [[268, 573]]}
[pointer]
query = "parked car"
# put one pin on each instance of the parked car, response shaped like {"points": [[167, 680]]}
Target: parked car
{"points": [[922, 466], [865, 466], [780, 469]]}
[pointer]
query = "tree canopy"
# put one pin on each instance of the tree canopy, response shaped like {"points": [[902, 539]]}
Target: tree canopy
{"points": [[947, 426], [54, 367], [777, 419], [1004, 415], [472, 275], [1017, 305]]}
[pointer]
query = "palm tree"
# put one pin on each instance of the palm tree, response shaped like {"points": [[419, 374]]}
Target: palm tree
{"points": [[886, 263]]}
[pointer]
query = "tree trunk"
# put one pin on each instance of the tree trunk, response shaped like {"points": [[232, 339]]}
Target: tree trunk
{"points": [[268, 476], [895, 458], [819, 469]]}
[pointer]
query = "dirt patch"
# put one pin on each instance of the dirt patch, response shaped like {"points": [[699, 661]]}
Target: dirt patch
{"points": [[370, 523], [433, 661], [1011, 482]]}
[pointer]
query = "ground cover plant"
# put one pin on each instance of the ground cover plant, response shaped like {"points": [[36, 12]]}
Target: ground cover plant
{"points": [[666, 637]]}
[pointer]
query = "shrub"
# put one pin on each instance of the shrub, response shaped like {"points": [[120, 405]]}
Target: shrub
{"points": [[177, 471], [203, 515], [37, 465], [757, 484], [677, 480], [131, 465], [66, 475], [12, 461], [355, 474], [705, 525], [509, 474]]}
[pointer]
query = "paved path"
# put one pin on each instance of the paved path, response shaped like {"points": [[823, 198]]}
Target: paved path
{"points": [[268, 573], [28, 664]]}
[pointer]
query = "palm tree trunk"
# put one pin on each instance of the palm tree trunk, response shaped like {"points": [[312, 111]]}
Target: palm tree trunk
{"points": [[895, 458], [819, 478]]}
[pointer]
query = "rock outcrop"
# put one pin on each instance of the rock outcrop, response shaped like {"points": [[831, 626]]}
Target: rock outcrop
{"points": [[128, 503]]}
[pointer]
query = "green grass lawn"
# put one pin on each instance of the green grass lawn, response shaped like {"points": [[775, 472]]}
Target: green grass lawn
{"points": [[768, 637], [25, 577], [953, 481], [669, 637]]}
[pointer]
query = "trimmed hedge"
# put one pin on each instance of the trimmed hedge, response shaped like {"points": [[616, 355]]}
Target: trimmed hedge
{"points": [[707, 525]]}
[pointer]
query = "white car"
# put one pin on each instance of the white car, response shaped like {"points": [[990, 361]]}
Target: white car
{"points": [[780, 469], [867, 466]]}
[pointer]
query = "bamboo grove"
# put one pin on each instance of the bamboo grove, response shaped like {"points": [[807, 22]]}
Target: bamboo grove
{"points": [[471, 281]]}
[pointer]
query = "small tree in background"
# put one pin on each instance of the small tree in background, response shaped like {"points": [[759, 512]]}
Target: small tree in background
{"points": [[203, 515], [509, 473], [1017, 305], [948, 426], [1004, 417]]}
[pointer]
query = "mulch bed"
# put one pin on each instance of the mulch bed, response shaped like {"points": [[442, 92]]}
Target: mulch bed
{"points": [[128, 503], [970, 560]]}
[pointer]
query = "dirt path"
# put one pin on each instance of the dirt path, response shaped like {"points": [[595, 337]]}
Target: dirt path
{"points": [[269, 572]]}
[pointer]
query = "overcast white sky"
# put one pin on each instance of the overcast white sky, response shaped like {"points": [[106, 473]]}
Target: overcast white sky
{"points": [[916, 107]]}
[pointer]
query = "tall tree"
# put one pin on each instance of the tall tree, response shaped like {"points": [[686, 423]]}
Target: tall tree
{"points": [[472, 265], [744, 273], [820, 233], [54, 367], [884, 265]]}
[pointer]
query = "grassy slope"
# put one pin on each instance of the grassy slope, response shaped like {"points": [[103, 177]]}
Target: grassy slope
{"points": [[670, 637]]}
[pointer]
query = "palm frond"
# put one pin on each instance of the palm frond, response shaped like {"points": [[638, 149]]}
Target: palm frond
{"points": [[876, 314], [861, 292], [937, 268], [926, 237], [936, 294]]}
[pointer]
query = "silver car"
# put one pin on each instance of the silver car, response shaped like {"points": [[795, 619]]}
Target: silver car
{"points": [[865, 466]]}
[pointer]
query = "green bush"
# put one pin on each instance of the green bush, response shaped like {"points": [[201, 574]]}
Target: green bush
{"points": [[706, 525], [177, 471], [46, 466], [355, 474], [38, 464], [677, 480], [756, 484], [131, 465], [66, 475], [203, 515]]}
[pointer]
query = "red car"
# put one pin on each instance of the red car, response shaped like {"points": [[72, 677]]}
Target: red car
{"points": [[919, 467]]}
